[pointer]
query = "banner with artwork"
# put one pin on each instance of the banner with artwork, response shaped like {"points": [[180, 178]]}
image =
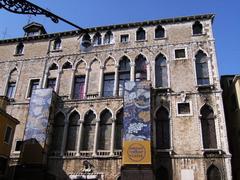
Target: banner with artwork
{"points": [[136, 123], [38, 115]]}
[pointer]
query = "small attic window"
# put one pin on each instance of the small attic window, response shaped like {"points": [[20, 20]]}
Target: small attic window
{"points": [[197, 28], [86, 40], [141, 34], [159, 32], [57, 44], [19, 49], [34, 29]]}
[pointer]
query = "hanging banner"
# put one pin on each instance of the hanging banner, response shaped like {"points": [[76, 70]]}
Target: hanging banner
{"points": [[38, 115], [136, 123]]}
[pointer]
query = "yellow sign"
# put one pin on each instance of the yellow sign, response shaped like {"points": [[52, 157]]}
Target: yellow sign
{"points": [[136, 152]]}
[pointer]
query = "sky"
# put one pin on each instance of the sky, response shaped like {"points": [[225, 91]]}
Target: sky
{"points": [[91, 13]]}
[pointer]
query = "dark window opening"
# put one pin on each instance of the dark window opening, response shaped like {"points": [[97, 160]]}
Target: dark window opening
{"points": [[79, 84], [184, 108], [86, 40], [8, 134], [197, 28], [140, 68], [119, 130], [108, 38], [162, 129], [159, 32], [124, 74], [202, 68], [51, 83], [161, 74], [53, 67], [108, 85], [124, 38], [19, 49], [141, 34], [33, 86], [11, 89], [57, 44], [180, 53], [97, 39], [67, 65], [213, 173], [18, 145], [162, 173]]}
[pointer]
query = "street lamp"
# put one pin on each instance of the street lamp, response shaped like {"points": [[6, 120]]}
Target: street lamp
{"points": [[26, 7]]}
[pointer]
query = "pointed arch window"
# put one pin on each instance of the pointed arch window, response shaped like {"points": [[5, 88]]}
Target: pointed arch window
{"points": [[161, 72], [105, 130], [162, 122], [141, 34], [197, 28], [19, 49], [67, 65], [213, 173], [124, 73], [202, 68], [57, 132], [108, 38], [208, 127], [140, 68], [73, 128], [159, 32], [119, 129], [11, 87], [97, 39], [86, 40], [57, 44], [54, 66], [88, 131]]}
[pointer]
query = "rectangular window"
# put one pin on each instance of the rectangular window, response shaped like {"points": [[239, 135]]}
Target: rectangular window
{"points": [[180, 53], [51, 83], [18, 145], [183, 108], [124, 38], [11, 89], [108, 85], [8, 135], [79, 84], [34, 83]]}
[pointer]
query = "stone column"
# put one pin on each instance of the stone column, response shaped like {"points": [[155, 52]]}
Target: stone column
{"points": [[79, 137], [132, 73], [154, 74], [115, 90], [72, 84], [112, 137], [87, 69], [64, 142], [58, 81], [101, 81], [96, 137], [148, 71]]}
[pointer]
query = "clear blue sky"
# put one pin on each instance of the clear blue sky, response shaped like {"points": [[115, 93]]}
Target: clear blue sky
{"points": [[90, 13]]}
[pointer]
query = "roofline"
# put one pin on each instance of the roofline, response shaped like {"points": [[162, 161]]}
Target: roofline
{"points": [[113, 27], [9, 116]]}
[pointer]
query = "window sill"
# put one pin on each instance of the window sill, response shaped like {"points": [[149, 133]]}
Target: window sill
{"points": [[197, 35], [213, 151], [163, 89], [139, 41], [57, 50], [184, 58], [205, 87], [160, 38], [18, 54]]}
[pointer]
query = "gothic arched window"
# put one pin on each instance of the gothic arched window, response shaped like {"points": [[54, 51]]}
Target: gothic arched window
{"points": [[86, 40], [162, 173], [88, 131], [118, 130], [140, 68], [141, 34], [159, 32], [105, 129], [162, 122], [197, 28], [11, 87], [57, 44], [161, 72], [208, 127], [108, 38], [213, 173], [97, 39], [57, 135], [124, 73], [73, 128], [202, 68], [67, 65]]}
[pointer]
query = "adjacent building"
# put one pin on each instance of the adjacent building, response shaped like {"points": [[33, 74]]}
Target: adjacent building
{"points": [[78, 80], [7, 128], [231, 98]]}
